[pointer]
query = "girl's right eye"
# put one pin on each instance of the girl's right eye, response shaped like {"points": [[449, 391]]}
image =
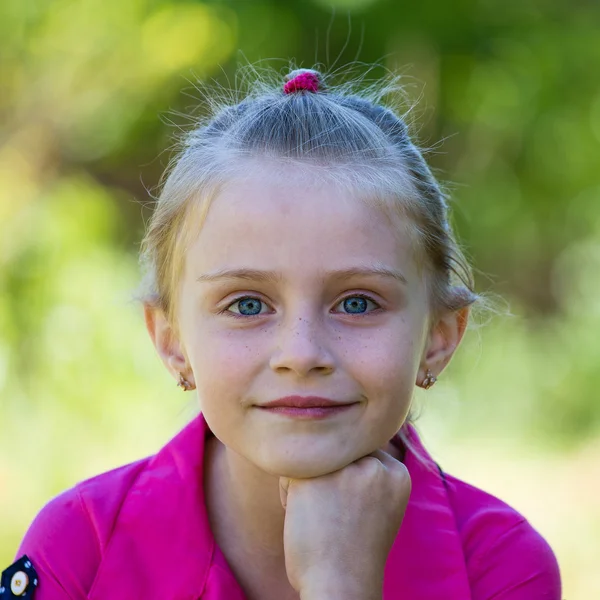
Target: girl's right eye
{"points": [[248, 306]]}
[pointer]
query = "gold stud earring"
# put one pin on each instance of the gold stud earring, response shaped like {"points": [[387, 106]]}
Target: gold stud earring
{"points": [[429, 380], [184, 384]]}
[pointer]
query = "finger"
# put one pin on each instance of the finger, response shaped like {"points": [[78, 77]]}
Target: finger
{"points": [[397, 469], [386, 459], [284, 484]]}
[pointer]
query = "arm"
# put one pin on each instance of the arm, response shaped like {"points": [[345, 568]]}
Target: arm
{"points": [[63, 548], [516, 565]]}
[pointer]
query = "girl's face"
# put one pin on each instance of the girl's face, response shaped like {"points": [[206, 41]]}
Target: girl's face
{"points": [[294, 289]]}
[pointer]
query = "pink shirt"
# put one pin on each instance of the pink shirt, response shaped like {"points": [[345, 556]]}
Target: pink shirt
{"points": [[142, 531]]}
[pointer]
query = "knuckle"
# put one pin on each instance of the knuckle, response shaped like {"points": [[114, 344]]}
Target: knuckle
{"points": [[371, 464]]}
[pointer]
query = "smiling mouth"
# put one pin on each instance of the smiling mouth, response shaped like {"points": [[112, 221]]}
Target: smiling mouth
{"points": [[305, 402], [308, 412], [306, 407]]}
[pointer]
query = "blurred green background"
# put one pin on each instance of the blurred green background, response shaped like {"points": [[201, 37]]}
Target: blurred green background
{"points": [[91, 93]]}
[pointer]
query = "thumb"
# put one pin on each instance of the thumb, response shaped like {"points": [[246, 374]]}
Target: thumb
{"points": [[284, 484]]}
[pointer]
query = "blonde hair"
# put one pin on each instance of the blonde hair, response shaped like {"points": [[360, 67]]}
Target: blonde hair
{"points": [[343, 128]]}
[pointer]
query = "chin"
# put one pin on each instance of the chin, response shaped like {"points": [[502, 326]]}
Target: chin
{"points": [[303, 471], [304, 467]]}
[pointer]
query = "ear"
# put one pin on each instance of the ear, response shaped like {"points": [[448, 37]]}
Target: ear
{"points": [[444, 338], [166, 342]]}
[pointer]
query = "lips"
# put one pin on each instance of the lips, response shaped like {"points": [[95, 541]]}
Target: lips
{"points": [[305, 402]]}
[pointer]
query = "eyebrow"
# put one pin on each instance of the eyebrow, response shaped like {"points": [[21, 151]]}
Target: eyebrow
{"points": [[274, 277]]}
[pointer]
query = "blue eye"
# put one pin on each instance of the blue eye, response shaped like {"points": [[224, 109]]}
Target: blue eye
{"points": [[356, 305], [248, 306]]}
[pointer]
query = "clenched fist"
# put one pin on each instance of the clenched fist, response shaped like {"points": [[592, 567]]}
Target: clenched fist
{"points": [[340, 527]]}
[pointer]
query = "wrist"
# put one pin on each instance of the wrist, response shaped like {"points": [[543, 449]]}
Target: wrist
{"points": [[340, 595], [342, 590]]}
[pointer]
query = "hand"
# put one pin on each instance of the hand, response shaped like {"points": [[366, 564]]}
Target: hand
{"points": [[340, 527]]}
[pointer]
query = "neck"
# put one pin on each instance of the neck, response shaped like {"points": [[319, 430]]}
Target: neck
{"points": [[243, 505]]}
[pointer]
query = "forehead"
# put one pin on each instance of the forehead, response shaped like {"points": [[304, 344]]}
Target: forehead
{"points": [[286, 217]]}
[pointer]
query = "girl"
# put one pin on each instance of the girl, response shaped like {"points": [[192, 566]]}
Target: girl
{"points": [[303, 278]]}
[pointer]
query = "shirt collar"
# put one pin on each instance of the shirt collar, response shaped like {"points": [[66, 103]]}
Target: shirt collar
{"points": [[426, 560], [162, 545]]}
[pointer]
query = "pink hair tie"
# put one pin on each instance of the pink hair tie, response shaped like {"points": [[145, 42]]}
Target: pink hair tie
{"points": [[304, 81]]}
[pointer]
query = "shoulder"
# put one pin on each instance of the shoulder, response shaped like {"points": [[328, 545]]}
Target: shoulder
{"points": [[506, 557], [66, 540]]}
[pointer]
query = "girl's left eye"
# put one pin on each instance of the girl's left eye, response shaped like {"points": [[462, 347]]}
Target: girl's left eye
{"points": [[357, 305]]}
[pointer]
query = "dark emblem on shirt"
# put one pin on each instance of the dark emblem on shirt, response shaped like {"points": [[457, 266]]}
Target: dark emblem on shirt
{"points": [[19, 580]]}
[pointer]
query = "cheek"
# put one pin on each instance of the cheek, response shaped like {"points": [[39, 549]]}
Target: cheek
{"points": [[387, 354], [224, 360]]}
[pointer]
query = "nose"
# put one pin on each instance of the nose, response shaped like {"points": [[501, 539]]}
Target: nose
{"points": [[302, 349]]}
